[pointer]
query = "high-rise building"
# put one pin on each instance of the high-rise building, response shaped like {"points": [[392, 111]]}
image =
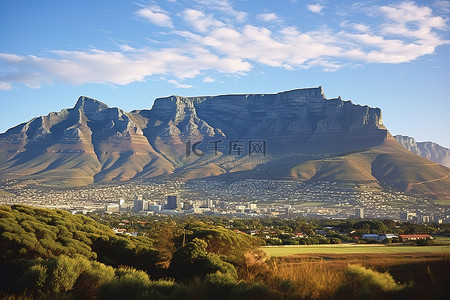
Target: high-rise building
{"points": [[121, 203], [408, 216], [359, 213], [172, 202], [209, 203], [252, 206], [289, 212], [138, 205]]}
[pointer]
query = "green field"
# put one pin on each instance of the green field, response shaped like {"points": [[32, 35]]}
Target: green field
{"points": [[278, 251]]}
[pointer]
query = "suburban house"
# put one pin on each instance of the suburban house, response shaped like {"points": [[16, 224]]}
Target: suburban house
{"points": [[390, 236], [378, 238], [372, 237], [414, 237]]}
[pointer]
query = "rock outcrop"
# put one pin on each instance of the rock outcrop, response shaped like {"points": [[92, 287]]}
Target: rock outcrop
{"points": [[429, 150], [295, 120]]}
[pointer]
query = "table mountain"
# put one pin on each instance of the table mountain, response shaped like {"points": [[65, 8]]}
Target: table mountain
{"points": [[298, 134]]}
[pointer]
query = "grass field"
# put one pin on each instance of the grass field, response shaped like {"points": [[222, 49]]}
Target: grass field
{"points": [[279, 251], [442, 240], [317, 268]]}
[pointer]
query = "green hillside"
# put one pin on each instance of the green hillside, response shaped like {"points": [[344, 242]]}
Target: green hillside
{"points": [[52, 254]]}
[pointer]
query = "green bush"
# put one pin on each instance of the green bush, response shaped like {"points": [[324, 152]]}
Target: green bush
{"points": [[33, 280], [89, 282], [225, 286], [192, 260], [219, 285], [229, 245], [335, 240], [250, 291], [365, 283], [128, 283], [65, 272], [425, 242]]}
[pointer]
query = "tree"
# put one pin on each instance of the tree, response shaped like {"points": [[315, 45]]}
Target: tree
{"points": [[335, 240], [192, 261]]}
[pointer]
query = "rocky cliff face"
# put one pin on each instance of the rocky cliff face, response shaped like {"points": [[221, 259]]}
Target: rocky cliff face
{"points": [[429, 150], [303, 118], [306, 137]]}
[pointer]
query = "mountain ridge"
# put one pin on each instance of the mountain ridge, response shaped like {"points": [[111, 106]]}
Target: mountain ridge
{"points": [[429, 150], [305, 136]]}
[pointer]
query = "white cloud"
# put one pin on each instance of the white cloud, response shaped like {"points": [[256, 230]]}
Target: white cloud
{"points": [[315, 8], [200, 20], [409, 20], [443, 6], [401, 33], [97, 66], [225, 7], [5, 86], [356, 26], [208, 80], [409, 12], [156, 15], [179, 85], [269, 17]]}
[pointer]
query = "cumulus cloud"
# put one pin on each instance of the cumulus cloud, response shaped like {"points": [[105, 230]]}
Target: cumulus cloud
{"points": [[443, 6], [315, 8], [179, 85], [402, 33], [97, 66], [208, 79], [355, 26], [412, 21], [269, 17], [156, 15], [201, 21], [225, 7]]}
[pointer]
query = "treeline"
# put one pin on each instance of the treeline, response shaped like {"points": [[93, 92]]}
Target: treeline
{"points": [[278, 231], [308, 226], [52, 254]]}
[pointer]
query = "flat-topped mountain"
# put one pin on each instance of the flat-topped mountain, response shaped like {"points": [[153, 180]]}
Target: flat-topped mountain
{"points": [[298, 134], [304, 117]]}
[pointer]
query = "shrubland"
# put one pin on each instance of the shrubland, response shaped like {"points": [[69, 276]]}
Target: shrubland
{"points": [[52, 254]]}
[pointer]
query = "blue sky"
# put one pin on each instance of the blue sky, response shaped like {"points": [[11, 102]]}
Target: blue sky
{"points": [[387, 54]]}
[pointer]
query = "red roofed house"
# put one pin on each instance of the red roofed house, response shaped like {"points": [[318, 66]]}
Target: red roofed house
{"points": [[414, 237]]}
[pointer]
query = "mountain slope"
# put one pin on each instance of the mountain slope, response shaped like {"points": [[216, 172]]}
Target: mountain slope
{"points": [[298, 134], [88, 143], [429, 150]]}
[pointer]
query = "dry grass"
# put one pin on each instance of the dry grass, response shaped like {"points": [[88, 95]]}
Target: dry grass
{"points": [[306, 278]]}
